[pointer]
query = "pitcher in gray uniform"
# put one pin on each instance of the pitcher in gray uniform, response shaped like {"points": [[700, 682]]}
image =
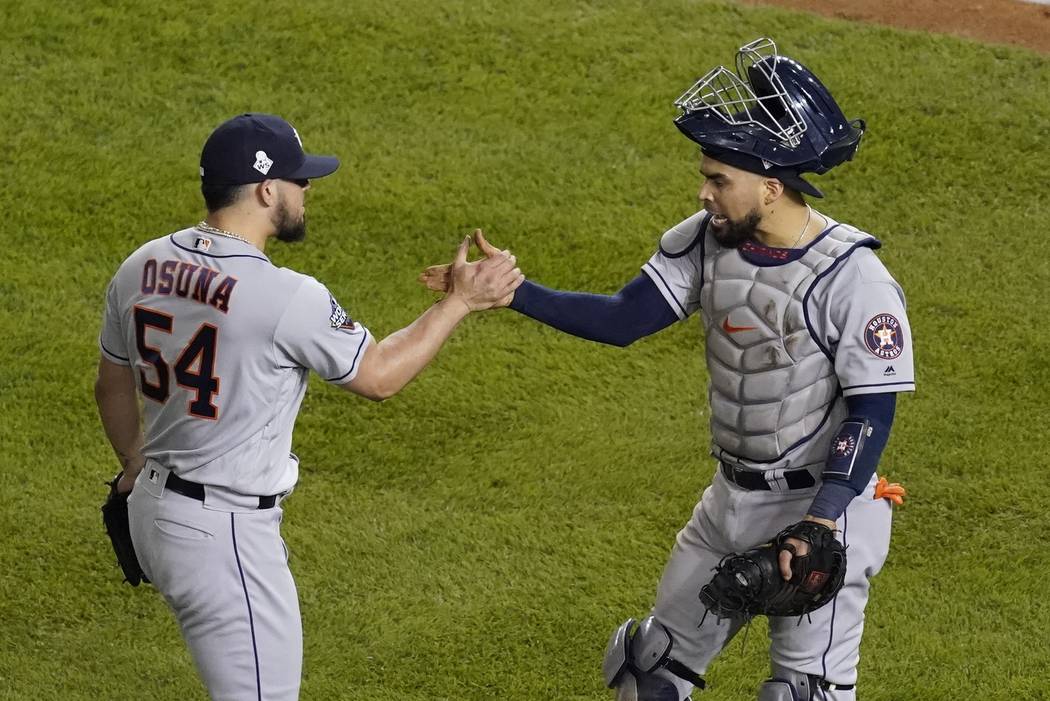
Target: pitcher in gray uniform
{"points": [[219, 342], [807, 344]]}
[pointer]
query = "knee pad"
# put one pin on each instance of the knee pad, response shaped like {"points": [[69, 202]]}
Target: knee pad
{"points": [[789, 685], [637, 659]]}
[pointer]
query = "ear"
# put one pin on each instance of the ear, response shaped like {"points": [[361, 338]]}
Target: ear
{"points": [[266, 193], [772, 190]]}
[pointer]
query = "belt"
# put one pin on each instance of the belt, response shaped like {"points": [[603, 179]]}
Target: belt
{"points": [[195, 490], [749, 479]]}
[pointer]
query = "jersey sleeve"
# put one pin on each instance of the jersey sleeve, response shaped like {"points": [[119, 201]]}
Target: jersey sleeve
{"points": [[316, 333], [111, 339], [677, 267], [874, 352]]}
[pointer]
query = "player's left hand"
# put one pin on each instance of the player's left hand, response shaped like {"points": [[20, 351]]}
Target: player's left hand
{"points": [[752, 583], [439, 277], [436, 277], [126, 479], [800, 547], [118, 528]]}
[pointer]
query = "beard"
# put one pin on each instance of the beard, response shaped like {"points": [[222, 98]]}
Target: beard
{"points": [[734, 234], [289, 230]]}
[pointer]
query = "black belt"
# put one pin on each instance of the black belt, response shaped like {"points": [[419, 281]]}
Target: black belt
{"points": [[748, 479], [193, 490]]}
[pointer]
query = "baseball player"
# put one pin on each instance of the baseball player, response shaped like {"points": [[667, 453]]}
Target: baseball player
{"points": [[807, 345], [219, 341]]}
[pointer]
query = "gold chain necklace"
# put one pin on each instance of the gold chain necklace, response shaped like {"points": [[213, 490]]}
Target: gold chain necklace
{"points": [[809, 215], [209, 229]]}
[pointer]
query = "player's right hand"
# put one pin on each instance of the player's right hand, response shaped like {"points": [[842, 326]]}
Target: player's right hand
{"points": [[487, 283], [437, 277]]}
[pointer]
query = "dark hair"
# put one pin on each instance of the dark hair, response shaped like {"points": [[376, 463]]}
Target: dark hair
{"points": [[218, 197]]}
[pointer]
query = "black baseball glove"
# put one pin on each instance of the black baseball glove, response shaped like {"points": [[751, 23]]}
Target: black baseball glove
{"points": [[750, 584], [115, 518]]}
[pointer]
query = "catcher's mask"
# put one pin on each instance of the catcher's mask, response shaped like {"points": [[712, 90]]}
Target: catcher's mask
{"points": [[772, 115]]}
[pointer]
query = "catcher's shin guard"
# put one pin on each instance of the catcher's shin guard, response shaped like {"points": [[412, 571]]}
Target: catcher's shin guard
{"points": [[637, 659], [789, 685]]}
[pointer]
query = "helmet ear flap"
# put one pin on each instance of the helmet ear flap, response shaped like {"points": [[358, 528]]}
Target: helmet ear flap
{"points": [[845, 148]]}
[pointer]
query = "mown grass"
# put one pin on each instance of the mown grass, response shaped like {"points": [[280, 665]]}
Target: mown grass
{"points": [[478, 536]]}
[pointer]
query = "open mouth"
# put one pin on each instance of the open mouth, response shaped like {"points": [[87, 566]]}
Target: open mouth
{"points": [[719, 220]]}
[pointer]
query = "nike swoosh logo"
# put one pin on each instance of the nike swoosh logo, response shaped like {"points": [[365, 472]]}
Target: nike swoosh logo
{"points": [[729, 328]]}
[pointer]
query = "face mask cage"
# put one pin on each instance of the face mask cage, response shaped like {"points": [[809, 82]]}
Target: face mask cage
{"points": [[732, 96]]}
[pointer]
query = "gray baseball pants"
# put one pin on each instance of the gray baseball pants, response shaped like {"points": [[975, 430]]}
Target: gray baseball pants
{"points": [[731, 519], [225, 575]]}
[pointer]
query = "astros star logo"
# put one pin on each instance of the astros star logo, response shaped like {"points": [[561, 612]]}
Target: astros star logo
{"points": [[843, 446], [885, 335]]}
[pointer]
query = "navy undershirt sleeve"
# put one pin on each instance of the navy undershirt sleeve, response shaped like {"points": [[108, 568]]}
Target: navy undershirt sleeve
{"points": [[835, 494], [636, 311]]}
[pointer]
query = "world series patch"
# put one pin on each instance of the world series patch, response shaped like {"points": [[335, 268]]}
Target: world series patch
{"points": [[339, 319], [883, 337]]}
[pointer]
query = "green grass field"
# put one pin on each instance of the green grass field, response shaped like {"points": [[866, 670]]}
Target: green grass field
{"points": [[478, 536]]}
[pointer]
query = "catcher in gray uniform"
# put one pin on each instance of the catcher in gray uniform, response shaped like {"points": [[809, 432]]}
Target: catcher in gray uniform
{"points": [[807, 344], [219, 342]]}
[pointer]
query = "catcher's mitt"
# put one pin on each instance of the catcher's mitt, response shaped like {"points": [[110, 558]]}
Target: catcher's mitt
{"points": [[750, 584], [115, 518]]}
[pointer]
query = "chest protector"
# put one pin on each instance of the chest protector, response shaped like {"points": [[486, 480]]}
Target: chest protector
{"points": [[773, 390]]}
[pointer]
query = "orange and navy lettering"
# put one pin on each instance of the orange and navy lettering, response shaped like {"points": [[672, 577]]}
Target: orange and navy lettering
{"points": [[179, 278]]}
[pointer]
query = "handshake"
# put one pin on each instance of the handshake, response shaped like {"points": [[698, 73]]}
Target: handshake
{"points": [[483, 284]]}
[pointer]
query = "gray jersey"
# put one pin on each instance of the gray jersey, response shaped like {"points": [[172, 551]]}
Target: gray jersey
{"points": [[221, 342], [788, 332]]}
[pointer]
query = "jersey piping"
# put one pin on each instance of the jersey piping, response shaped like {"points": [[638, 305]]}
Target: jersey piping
{"points": [[353, 364], [109, 352], [820, 276], [215, 255], [681, 312]]}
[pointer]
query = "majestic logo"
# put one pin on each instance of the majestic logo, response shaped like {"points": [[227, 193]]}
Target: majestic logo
{"points": [[263, 163], [339, 318], [729, 328], [202, 243], [883, 337], [889, 371], [842, 446]]}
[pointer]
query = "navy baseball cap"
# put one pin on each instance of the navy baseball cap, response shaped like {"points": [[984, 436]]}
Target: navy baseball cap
{"points": [[254, 147]]}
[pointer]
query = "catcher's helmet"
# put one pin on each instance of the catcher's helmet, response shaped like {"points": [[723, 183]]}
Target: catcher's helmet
{"points": [[772, 109]]}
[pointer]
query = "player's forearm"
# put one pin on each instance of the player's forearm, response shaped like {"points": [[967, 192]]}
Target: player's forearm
{"points": [[119, 410], [402, 355], [859, 454], [636, 311]]}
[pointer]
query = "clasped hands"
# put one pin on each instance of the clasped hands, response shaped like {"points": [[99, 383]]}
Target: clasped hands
{"points": [[483, 284]]}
